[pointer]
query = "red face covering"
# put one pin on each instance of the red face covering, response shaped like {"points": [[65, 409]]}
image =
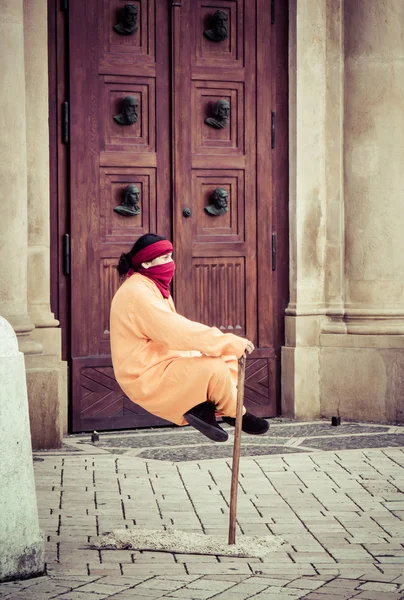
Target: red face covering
{"points": [[161, 275]]}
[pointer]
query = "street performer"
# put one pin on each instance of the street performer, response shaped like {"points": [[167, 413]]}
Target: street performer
{"points": [[177, 369]]}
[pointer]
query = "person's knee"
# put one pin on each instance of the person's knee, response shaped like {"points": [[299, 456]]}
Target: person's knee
{"points": [[217, 367]]}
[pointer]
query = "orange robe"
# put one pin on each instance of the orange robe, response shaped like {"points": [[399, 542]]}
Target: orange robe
{"points": [[166, 363]]}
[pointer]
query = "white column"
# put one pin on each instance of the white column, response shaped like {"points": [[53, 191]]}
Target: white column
{"points": [[374, 158], [362, 354], [37, 135], [316, 196], [21, 540], [13, 180]]}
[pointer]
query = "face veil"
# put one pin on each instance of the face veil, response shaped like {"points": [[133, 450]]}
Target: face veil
{"points": [[161, 275]]}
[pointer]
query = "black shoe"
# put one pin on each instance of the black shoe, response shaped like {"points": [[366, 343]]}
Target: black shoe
{"points": [[250, 424], [202, 417]]}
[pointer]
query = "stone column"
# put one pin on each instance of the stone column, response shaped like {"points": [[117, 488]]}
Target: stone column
{"points": [[47, 373], [316, 196], [37, 131], [362, 370], [374, 152], [13, 180]]}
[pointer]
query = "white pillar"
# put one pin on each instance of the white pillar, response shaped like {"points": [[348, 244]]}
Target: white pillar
{"points": [[46, 373], [362, 357], [374, 155], [21, 540], [13, 179], [37, 131], [316, 210]]}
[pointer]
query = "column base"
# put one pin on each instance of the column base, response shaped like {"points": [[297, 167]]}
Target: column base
{"points": [[24, 327], [47, 399], [30, 562], [363, 383], [357, 377], [300, 383]]}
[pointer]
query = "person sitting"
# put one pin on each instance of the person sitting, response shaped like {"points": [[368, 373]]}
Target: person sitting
{"points": [[175, 368]]}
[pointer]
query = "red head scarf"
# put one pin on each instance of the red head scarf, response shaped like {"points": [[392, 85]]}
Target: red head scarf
{"points": [[161, 275]]}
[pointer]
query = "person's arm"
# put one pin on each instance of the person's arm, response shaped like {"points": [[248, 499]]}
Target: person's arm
{"points": [[156, 321]]}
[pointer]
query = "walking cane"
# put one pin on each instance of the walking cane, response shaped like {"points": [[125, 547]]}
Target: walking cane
{"points": [[236, 450]]}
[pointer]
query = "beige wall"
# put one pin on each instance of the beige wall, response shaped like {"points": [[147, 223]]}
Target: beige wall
{"points": [[344, 351]]}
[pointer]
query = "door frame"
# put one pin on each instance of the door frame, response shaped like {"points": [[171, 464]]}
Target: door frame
{"points": [[58, 36]]}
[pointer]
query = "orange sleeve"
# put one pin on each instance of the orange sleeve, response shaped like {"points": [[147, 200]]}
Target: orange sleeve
{"points": [[155, 320]]}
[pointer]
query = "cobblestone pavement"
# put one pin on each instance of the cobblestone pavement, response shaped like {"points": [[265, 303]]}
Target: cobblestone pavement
{"points": [[339, 511], [179, 444]]}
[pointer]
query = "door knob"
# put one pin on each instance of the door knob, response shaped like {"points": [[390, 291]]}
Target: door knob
{"points": [[186, 212]]}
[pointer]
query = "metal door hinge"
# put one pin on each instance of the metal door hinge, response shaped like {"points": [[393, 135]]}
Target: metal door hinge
{"points": [[64, 5], [272, 12], [66, 254], [65, 122], [272, 129], [274, 251]]}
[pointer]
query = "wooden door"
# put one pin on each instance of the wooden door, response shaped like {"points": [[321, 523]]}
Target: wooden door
{"points": [[171, 75], [225, 258], [106, 155]]}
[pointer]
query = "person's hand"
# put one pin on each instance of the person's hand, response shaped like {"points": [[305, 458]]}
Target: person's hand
{"points": [[249, 347]]}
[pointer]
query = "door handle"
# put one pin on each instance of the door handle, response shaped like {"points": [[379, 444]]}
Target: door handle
{"points": [[186, 212]]}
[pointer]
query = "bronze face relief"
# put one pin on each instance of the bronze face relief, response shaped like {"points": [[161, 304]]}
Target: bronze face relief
{"points": [[129, 206], [220, 115], [219, 30], [128, 23], [219, 203], [129, 114]]}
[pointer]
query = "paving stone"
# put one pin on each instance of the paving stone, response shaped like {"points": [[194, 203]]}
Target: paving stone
{"points": [[306, 584], [377, 596], [232, 595], [103, 588], [332, 594], [103, 570], [129, 595], [190, 594], [206, 569], [198, 558], [341, 584], [376, 586], [235, 578], [75, 595], [155, 569], [283, 593], [160, 583], [211, 584]]}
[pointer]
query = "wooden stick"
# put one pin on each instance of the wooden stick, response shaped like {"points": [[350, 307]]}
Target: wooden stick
{"points": [[236, 450]]}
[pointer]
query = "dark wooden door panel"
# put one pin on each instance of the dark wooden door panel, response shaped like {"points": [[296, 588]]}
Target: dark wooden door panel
{"points": [[107, 156], [177, 160], [102, 404], [223, 275]]}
